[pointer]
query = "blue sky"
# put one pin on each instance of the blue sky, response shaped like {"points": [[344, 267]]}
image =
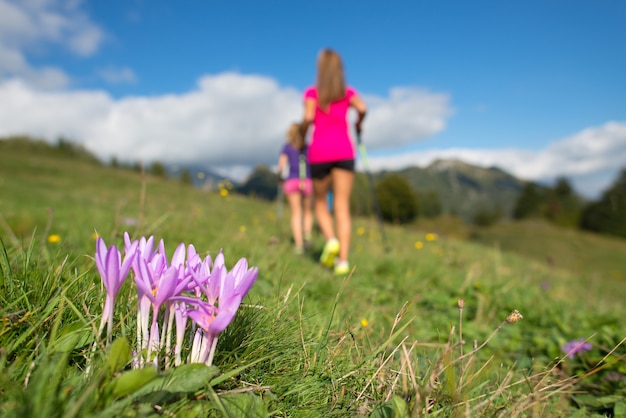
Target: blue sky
{"points": [[536, 87]]}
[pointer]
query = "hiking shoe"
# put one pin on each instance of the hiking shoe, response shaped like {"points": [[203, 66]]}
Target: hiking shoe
{"points": [[331, 250], [298, 250], [342, 268]]}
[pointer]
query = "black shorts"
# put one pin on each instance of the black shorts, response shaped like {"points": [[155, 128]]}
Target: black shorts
{"points": [[322, 170]]}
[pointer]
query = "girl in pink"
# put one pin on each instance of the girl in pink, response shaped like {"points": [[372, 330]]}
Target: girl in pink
{"points": [[298, 186], [331, 155]]}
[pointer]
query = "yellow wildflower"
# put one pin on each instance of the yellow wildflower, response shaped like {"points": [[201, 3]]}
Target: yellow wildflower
{"points": [[54, 238], [364, 322], [431, 236], [360, 231], [419, 245]]}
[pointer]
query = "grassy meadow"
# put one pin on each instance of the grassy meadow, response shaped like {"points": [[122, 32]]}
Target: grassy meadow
{"points": [[426, 329]]}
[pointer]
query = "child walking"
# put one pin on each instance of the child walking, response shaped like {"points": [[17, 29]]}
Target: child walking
{"points": [[297, 186]]}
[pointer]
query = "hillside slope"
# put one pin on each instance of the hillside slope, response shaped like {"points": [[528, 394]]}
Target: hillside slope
{"points": [[41, 185]]}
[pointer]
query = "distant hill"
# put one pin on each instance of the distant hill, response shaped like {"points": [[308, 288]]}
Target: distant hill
{"points": [[463, 188], [201, 176], [261, 183]]}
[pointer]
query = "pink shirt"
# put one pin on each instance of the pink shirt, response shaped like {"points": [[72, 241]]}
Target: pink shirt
{"points": [[331, 137]]}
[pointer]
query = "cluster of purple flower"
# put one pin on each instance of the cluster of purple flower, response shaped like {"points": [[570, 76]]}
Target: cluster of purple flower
{"points": [[571, 348], [170, 293]]}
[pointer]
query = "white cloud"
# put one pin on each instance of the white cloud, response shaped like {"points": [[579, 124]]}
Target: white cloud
{"points": [[406, 116], [29, 25], [49, 114], [228, 119], [118, 75], [590, 150], [84, 38]]}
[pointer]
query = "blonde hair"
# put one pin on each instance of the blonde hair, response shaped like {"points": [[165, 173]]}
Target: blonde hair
{"points": [[294, 136], [331, 84]]}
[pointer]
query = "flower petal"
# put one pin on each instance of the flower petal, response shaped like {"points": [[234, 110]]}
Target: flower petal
{"points": [[178, 259], [112, 266]]}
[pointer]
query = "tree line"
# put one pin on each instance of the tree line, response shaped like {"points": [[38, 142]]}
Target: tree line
{"points": [[401, 204], [559, 204], [562, 206]]}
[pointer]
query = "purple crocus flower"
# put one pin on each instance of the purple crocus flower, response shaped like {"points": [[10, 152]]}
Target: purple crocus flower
{"points": [[234, 286], [155, 285], [149, 278], [187, 287], [573, 347], [242, 277], [204, 340], [113, 271], [193, 258], [231, 287], [144, 247]]}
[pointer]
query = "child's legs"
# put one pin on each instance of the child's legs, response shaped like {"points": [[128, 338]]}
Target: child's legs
{"points": [[295, 204], [324, 219], [342, 188]]}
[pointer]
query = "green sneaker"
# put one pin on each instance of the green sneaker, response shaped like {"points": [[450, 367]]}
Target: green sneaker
{"points": [[330, 252], [342, 268]]}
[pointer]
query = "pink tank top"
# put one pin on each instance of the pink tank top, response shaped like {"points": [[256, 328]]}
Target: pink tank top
{"points": [[331, 136]]}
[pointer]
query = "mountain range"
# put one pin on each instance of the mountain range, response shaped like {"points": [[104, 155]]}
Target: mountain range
{"points": [[463, 189]]}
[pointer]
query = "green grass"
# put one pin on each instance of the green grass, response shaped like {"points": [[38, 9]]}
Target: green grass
{"points": [[599, 262], [390, 340]]}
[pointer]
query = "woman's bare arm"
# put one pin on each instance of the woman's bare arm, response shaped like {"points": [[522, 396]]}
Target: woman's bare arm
{"points": [[361, 108], [309, 114], [282, 163]]}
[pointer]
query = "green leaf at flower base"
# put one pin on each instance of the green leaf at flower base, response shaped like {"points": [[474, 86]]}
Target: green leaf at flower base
{"points": [[244, 405], [189, 377], [395, 407], [619, 410], [119, 354], [131, 381], [185, 378]]}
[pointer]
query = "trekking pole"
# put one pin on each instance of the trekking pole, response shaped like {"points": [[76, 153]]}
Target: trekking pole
{"points": [[279, 207], [279, 201], [379, 215]]}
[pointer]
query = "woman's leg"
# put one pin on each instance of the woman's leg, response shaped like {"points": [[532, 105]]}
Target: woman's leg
{"points": [[295, 205], [324, 219], [342, 188]]}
